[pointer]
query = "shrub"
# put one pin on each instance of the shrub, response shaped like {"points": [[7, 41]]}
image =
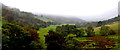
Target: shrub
{"points": [[90, 31]]}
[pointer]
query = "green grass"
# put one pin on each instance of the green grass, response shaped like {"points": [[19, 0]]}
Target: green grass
{"points": [[81, 39], [113, 36]]}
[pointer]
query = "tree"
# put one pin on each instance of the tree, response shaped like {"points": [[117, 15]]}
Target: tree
{"points": [[69, 29], [90, 31], [55, 41], [35, 44], [81, 32], [99, 23], [14, 37], [33, 33]]}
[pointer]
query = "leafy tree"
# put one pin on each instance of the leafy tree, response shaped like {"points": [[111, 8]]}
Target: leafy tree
{"points": [[99, 23], [35, 44], [15, 37], [69, 29], [55, 41], [90, 31], [81, 32], [66, 29], [33, 33]]}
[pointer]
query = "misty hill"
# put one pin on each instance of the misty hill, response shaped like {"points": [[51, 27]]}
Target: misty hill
{"points": [[62, 19], [14, 15], [109, 21], [99, 23]]}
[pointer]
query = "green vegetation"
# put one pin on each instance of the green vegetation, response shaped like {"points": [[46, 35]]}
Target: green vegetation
{"points": [[15, 37], [0, 22], [90, 31], [44, 31], [113, 36], [70, 29], [44, 19], [73, 41], [105, 30], [0, 30], [68, 33], [55, 41], [114, 26], [22, 31]]}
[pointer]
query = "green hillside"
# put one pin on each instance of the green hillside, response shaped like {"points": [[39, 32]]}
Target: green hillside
{"points": [[44, 19], [114, 26]]}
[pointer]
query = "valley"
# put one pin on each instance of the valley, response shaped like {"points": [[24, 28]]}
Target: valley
{"points": [[27, 31]]}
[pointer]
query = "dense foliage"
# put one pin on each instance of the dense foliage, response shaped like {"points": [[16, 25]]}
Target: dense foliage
{"points": [[69, 29], [71, 39], [90, 31], [55, 41], [15, 37]]}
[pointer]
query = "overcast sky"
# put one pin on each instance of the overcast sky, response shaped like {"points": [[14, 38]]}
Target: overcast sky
{"points": [[84, 9]]}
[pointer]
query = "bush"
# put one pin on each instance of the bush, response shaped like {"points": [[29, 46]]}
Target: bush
{"points": [[90, 31]]}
